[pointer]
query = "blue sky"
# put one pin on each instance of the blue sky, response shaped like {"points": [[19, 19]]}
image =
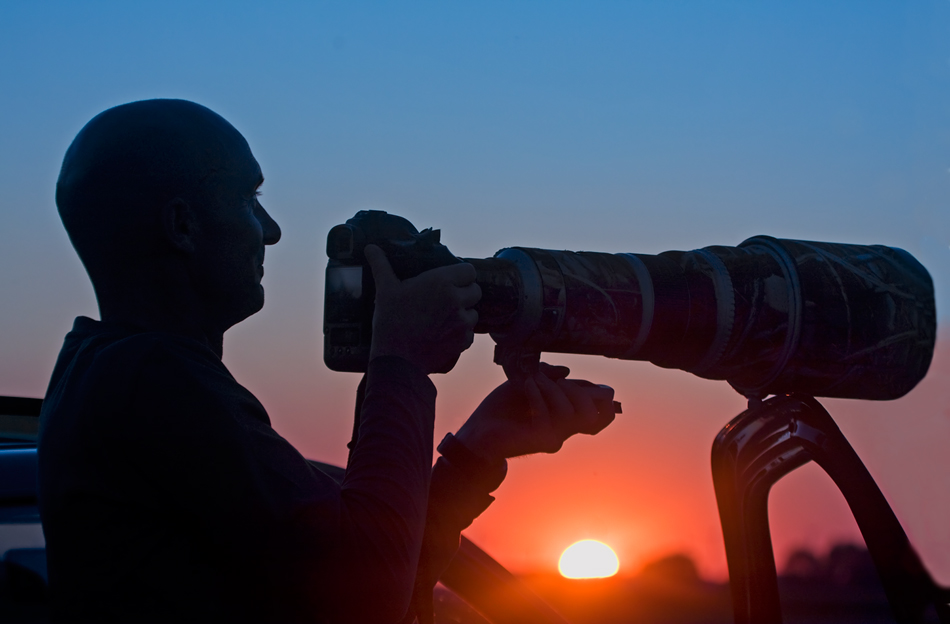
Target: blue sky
{"points": [[614, 126], [609, 126]]}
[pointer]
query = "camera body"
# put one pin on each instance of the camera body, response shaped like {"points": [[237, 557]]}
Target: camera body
{"points": [[770, 316], [350, 291]]}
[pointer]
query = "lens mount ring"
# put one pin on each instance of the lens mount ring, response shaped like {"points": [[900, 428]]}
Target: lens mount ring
{"points": [[532, 300]]}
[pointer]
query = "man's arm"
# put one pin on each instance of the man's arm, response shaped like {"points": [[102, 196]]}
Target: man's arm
{"points": [[508, 423], [420, 326]]}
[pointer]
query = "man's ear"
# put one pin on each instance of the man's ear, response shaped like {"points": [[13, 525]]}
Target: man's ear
{"points": [[180, 225]]}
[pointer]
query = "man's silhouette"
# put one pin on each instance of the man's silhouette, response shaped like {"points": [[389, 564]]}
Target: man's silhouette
{"points": [[164, 492]]}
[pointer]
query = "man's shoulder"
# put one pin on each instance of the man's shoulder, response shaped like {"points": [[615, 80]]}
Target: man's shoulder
{"points": [[170, 370], [118, 379], [121, 353], [110, 344]]}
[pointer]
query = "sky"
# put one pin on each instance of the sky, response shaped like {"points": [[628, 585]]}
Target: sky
{"points": [[602, 126]]}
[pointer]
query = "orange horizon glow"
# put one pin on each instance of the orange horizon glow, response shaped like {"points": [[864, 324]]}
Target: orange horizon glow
{"points": [[588, 559]]}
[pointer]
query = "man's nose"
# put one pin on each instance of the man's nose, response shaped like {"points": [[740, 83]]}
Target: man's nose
{"points": [[269, 227]]}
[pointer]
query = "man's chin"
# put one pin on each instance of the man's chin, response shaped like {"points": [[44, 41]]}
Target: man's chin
{"points": [[258, 302], [249, 307]]}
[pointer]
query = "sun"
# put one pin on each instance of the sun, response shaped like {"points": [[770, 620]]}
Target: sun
{"points": [[588, 559]]}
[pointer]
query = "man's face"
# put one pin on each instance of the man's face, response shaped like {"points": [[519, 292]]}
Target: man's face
{"points": [[233, 229]]}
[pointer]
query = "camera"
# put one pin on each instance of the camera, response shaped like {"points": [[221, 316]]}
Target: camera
{"points": [[770, 316]]}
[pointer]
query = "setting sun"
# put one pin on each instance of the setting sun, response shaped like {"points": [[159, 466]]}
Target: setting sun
{"points": [[588, 559]]}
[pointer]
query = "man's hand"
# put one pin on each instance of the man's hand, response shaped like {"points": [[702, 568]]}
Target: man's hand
{"points": [[537, 418], [428, 319]]}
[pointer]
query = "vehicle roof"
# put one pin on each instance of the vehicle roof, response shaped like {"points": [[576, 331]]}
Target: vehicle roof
{"points": [[19, 420]]}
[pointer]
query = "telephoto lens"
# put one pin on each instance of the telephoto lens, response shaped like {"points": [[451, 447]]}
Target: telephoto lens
{"points": [[770, 316]]}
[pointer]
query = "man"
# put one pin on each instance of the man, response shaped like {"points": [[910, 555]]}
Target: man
{"points": [[164, 492]]}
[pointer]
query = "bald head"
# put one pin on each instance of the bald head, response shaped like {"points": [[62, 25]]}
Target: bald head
{"points": [[131, 159], [155, 192]]}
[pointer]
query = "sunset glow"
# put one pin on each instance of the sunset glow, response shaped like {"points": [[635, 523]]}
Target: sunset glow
{"points": [[588, 559], [624, 127]]}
